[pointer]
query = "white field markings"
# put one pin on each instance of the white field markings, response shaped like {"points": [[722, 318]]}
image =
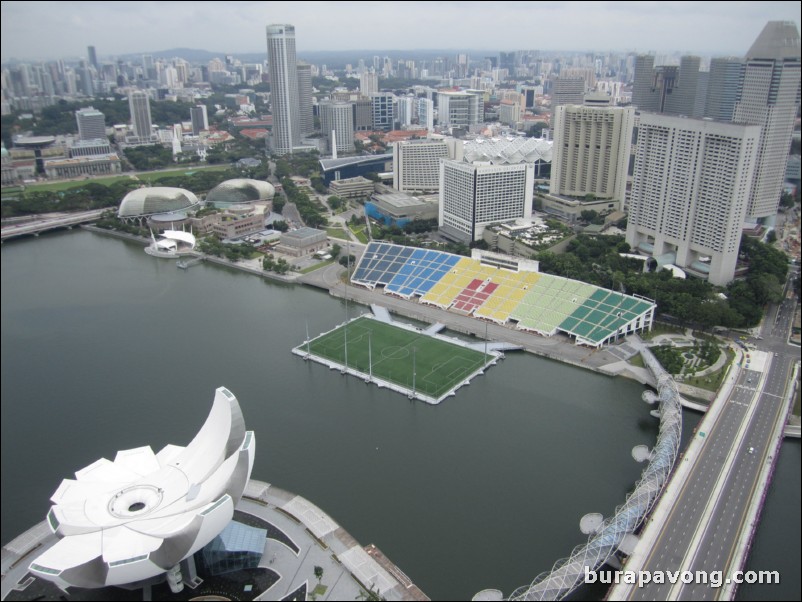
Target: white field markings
{"points": [[357, 333]]}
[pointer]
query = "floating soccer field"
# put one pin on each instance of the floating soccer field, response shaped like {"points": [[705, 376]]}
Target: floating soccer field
{"points": [[398, 356]]}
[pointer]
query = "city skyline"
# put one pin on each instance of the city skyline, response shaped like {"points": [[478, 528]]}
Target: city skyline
{"points": [[238, 27]]}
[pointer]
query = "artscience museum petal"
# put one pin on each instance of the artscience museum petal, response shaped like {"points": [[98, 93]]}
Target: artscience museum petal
{"points": [[139, 516]]}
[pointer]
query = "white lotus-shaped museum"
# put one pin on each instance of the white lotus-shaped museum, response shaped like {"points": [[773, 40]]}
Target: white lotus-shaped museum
{"points": [[141, 515]]}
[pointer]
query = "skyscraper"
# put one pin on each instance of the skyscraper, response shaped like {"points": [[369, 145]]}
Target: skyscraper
{"points": [[416, 165], [568, 90], [474, 195], [139, 105], [642, 96], [667, 88], [286, 133], [722, 88], [458, 109], [305, 99], [91, 124], [591, 151], [337, 117], [368, 83], [769, 96], [200, 119], [683, 97], [383, 114], [92, 54], [426, 113], [690, 190]]}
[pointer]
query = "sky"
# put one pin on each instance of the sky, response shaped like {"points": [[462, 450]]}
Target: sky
{"points": [[46, 30]]}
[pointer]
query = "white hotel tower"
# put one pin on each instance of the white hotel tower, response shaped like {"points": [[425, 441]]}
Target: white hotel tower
{"points": [[591, 151], [690, 192]]}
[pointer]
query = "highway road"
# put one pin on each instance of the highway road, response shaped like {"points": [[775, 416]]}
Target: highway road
{"points": [[49, 222], [704, 527]]}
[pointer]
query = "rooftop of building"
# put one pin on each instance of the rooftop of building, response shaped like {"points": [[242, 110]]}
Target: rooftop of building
{"points": [[327, 164], [402, 200], [241, 190], [508, 150], [303, 233], [779, 40], [34, 141], [158, 199]]}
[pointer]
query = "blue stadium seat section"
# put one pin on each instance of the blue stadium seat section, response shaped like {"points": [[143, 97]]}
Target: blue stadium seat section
{"points": [[421, 272], [380, 263]]}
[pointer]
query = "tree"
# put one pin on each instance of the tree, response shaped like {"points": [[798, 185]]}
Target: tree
{"points": [[536, 131], [335, 250], [318, 573], [335, 203], [787, 200]]}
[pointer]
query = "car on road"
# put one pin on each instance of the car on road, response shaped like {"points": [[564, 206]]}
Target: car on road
{"points": [[751, 450]]}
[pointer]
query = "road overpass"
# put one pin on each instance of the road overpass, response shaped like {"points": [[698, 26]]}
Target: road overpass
{"points": [[44, 223]]}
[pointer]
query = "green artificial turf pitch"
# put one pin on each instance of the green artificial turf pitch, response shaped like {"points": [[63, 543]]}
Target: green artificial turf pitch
{"points": [[439, 365]]}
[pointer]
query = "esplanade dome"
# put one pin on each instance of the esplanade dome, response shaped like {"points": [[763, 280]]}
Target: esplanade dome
{"points": [[143, 202], [238, 191]]}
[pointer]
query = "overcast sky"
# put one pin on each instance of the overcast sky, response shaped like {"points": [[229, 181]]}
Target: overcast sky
{"points": [[38, 30]]}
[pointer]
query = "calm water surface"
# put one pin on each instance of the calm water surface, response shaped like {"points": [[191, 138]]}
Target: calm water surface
{"points": [[106, 348]]}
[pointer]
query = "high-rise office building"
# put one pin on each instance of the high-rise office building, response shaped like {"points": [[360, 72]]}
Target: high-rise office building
{"points": [[591, 151], [383, 111], [337, 117], [681, 99], [87, 78], [459, 109], [92, 55], [426, 113], [474, 195], [139, 105], [148, 67], [200, 119], [405, 106], [568, 91], [769, 95], [91, 124], [416, 165], [305, 99], [530, 96], [668, 88], [286, 133], [368, 83], [363, 114], [722, 88], [690, 191], [642, 96]]}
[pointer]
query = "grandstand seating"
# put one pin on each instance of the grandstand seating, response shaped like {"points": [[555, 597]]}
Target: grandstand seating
{"points": [[380, 263], [421, 272], [538, 302]]}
